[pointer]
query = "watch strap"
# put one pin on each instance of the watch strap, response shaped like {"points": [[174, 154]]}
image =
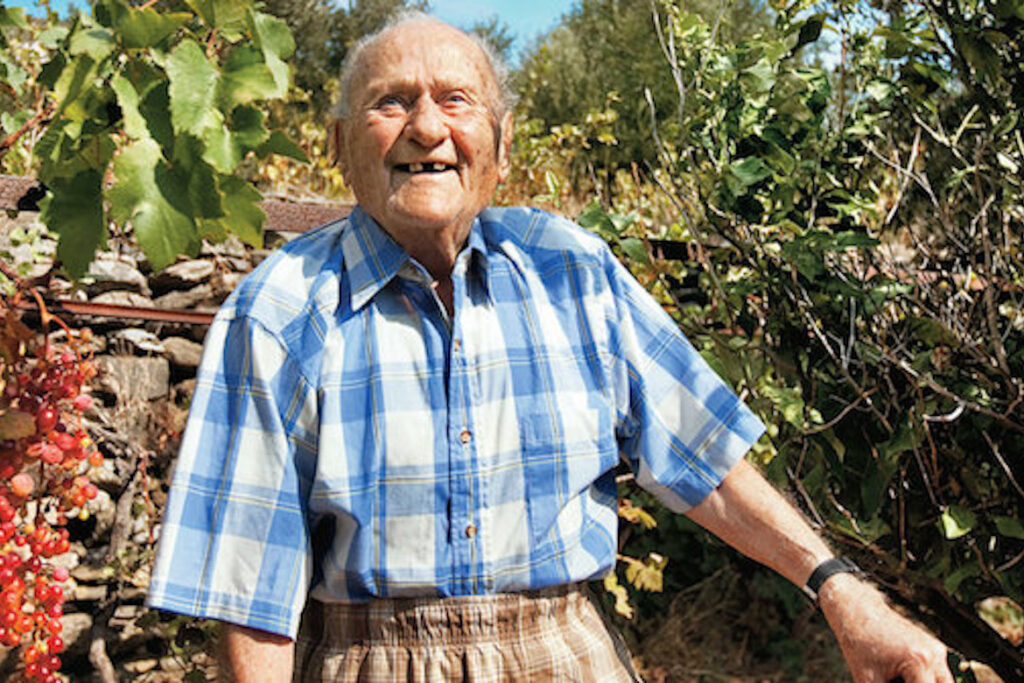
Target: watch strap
{"points": [[828, 568]]}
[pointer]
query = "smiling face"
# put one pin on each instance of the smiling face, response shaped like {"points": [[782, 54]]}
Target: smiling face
{"points": [[422, 146]]}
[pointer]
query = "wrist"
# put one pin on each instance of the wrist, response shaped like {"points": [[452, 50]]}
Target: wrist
{"points": [[825, 572]]}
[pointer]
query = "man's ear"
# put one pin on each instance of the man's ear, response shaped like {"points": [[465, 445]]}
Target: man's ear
{"points": [[336, 145], [505, 148]]}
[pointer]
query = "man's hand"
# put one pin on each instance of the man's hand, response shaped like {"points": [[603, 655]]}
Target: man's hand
{"points": [[252, 656], [880, 645]]}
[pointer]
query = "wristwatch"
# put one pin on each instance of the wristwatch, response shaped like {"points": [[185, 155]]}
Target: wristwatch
{"points": [[821, 574]]}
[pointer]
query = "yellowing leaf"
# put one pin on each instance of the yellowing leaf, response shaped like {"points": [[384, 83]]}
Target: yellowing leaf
{"points": [[622, 606]]}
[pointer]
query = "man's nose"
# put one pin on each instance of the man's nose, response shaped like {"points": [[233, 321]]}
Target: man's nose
{"points": [[426, 124]]}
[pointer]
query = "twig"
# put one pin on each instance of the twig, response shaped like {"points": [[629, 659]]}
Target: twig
{"points": [[40, 115], [842, 413], [943, 391], [1002, 463]]}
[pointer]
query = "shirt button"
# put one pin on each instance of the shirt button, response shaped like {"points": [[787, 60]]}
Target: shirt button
{"points": [[465, 436], [471, 531]]}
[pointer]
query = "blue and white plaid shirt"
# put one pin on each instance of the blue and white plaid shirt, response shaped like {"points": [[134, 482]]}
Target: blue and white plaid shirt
{"points": [[349, 440]]}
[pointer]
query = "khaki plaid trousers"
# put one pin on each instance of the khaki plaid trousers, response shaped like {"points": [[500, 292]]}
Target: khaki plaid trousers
{"points": [[555, 634]]}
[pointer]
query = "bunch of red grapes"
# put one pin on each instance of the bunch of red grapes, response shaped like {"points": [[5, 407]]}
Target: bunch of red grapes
{"points": [[45, 458]]}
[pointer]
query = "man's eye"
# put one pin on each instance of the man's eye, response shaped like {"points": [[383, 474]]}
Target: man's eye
{"points": [[455, 99], [390, 102]]}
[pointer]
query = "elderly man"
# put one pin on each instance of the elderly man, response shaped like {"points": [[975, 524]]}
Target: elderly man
{"points": [[406, 423]]}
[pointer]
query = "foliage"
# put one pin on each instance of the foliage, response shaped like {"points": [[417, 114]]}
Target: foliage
{"points": [[168, 104], [605, 46], [854, 271]]}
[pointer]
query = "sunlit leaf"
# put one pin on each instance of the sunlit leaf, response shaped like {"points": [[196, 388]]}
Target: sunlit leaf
{"points": [[957, 521], [152, 199], [192, 91]]}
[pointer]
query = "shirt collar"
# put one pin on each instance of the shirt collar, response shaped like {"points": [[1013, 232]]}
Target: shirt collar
{"points": [[372, 258]]}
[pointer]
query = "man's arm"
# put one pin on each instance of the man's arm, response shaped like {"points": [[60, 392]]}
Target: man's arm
{"points": [[879, 645], [252, 656]]}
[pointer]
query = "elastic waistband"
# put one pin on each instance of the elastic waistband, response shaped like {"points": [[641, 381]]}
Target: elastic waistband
{"points": [[441, 621]]}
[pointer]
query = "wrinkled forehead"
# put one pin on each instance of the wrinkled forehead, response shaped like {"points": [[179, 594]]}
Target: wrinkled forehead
{"points": [[427, 53]]}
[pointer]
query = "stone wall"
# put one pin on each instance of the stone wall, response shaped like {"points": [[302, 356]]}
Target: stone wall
{"points": [[145, 381]]}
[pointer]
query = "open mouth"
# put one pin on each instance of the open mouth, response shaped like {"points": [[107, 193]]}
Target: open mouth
{"points": [[424, 168]]}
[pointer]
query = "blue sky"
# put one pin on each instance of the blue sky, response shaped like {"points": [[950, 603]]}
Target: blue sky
{"points": [[526, 18]]}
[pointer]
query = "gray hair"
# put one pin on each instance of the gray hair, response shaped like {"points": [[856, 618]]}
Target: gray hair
{"points": [[507, 97]]}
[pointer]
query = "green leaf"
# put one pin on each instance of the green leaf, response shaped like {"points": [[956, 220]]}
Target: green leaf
{"points": [[192, 90], [957, 521], [141, 28], [1010, 527], [247, 128], [70, 84], [242, 213], [97, 42], [155, 108], [275, 40], [748, 172], [635, 249], [199, 177], [12, 17], [245, 77], [810, 30], [146, 194], [220, 151], [128, 100], [224, 15], [281, 144], [788, 401], [51, 37], [273, 35], [74, 210]]}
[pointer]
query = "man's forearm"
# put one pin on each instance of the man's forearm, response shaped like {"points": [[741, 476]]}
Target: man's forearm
{"points": [[879, 645], [251, 656], [749, 514]]}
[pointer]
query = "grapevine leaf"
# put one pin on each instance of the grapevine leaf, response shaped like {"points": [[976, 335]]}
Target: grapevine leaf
{"points": [[226, 15], [12, 17], [273, 35], [155, 108], [193, 86], [74, 210], [221, 152], [247, 128], [51, 37], [71, 82], [243, 215], [15, 424], [152, 198], [275, 40], [96, 42], [142, 28], [198, 177], [281, 144], [245, 77], [128, 100]]}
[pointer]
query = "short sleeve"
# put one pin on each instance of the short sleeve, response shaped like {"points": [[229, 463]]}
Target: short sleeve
{"points": [[235, 542], [680, 426]]}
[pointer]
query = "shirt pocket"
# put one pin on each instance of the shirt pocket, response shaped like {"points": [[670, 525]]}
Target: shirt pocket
{"points": [[565, 450]]}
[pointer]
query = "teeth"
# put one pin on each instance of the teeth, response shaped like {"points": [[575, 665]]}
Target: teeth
{"points": [[438, 167], [415, 168]]}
